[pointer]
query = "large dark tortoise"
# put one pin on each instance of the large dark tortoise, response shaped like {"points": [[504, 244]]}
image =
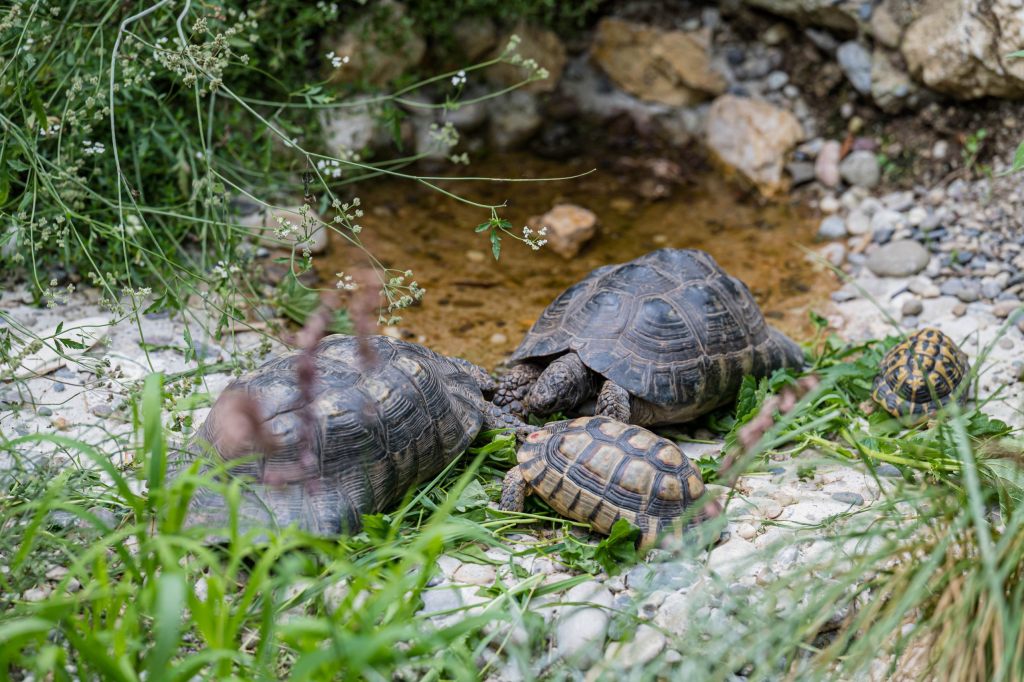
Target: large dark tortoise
{"points": [[379, 422], [660, 339], [920, 375], [597, 470]]}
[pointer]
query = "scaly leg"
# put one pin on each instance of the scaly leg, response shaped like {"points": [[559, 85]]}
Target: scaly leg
{"points": [[513, 387], [497, 418], [513, 491], [482, 377], [613, 401], [565, 383]]}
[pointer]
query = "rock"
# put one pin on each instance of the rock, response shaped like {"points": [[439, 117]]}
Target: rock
{"points": [[991, 289], [665, 575], [580, 631], [885, 220], [475, 36], [498, 339], [475, 574], [959, 47], [752, 138], [855, 61], [515, 117], [747, 531], [912, 306], [671, 67], [916, 216], [858, 223], [800, 172], [569, 227], [834, 253], [376, 57], [829, 204], [900, 258], [103, 410], [826, 165], [969, 293], [1003, 309], [860, 168], [885, 28], [539, 44], [960, 309], [891, 88], [351, 129], [36, 594], [825, 13], [44, 411], [776, 80], [266, 223], [923, 287], [646, 644], [888, 470], [832, 227], [675, 613], [848, 498]]}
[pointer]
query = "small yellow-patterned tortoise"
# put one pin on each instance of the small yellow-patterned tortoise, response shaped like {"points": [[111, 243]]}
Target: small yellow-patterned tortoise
{"points": [[597, 470], [921, 375]]}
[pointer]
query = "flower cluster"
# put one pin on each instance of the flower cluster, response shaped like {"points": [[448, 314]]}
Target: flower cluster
{"points": [[400, 296], [329, 167], [336, 61], [459, 79], [90, 148], [345, 282], [535, 242], [347, 214], [535, 72]]}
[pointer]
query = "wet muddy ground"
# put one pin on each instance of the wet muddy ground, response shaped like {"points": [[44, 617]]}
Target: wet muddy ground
{"points": [[480, 308]]}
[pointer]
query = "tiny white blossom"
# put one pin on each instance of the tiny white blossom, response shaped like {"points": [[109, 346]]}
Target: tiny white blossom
{"points": [[459, 78]]}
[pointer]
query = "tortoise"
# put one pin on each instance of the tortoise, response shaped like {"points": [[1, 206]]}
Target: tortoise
{"points": [[920, 375], [378, 428], [661, 339], [597, 470]]}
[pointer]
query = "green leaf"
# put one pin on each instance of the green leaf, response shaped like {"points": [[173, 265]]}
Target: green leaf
{"points": [[495, 244], [1019, 54], [1018, 159], [152, 430], [618, 550], [473, 497], [169, 608], [482, 226]]}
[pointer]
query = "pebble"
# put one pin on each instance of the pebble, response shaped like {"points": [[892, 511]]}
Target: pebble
{"points": [[35, 594], [646, 644], [580, 631], [960, 309], [832, 227], [829, 204], [776, 80], [885, 219], [1006, 343], [969, 293], [1002, 309], [916, 216], [826, 165], [475, 574], [58, 387], [834, 253], [888, 470], [848, 498], [855, 61], [666, 575], [498, 339], [883, 235], [858, 222], [747, 531], [474, 256], [103, 410], [898, 259], [991, 289], [44, 411], [912, 306], [675, 613], [923, 287], [860, 169]]}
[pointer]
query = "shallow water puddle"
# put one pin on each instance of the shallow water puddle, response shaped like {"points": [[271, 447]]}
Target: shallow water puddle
{"points": [[480, 308]]}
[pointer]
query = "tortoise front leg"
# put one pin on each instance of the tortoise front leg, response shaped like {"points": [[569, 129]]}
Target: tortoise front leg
{"points": [[497, 418], [513, 387], [513, 491], [480, 375], [613, 401], [565, 384]]}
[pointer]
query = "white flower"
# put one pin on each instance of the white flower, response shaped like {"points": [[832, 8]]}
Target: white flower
{"points": [[90, 148], [335, 60], [459, 78]]}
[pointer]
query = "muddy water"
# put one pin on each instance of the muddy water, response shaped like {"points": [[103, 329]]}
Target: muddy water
{"points": [[478, 308]]}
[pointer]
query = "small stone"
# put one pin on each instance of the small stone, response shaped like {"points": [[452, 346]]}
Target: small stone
{"points": [[885, 219], [770, 509], [991, 290], [569, 227], [581, 630], [1006, 343], [776, 80], [923, 287], [498, 339], [646, 644], [951, 287], [475, 574], [829, 204], [59, 423], [916, 216], [858, 223], [898, 259], [475, 256], [960, 309], [848, 498], [747, 531], [44, 411], [969, 293], [888, 470], [103, 410], [898, 201], [35, 594], [58, 387], [912, 306], [855, 61], [860, 168], [883, 235], [1002, 309], [791, 91], [939, 150], [826, 165], [832, 227], [800, 172], [834, 253]]}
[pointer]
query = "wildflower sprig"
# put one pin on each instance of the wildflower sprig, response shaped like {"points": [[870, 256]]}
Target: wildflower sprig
{"points": [[496, 226]]}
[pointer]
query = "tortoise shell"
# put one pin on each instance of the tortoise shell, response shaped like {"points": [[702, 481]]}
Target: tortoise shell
{"points": [[597, 470], [920, 375], [379, 429], [671, 327]]}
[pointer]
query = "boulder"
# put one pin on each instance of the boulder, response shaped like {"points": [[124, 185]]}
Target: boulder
{"points": [[752, 137], [885, 25], [475, 36], [536, 43], [838, 15], [670, 67], [569, 227], [514, 118], [960, 47], [376, 57]]}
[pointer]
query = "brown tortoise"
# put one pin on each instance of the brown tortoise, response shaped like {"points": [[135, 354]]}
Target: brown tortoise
{"points": [[921, 375], [597, 470], [379, 427], [661, 339]]}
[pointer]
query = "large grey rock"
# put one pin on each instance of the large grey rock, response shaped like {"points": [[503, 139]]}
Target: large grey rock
{"points": [[839, 15], [860, 168], [752, 137], [891, 88], [581, 630], [960, 47], [855, 61], [376, 56], [515, 118], [900, 258]]}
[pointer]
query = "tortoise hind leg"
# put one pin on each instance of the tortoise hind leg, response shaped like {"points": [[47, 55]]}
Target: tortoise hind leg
{"points": [[513, 491], [513, 387], [613, 401]]}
